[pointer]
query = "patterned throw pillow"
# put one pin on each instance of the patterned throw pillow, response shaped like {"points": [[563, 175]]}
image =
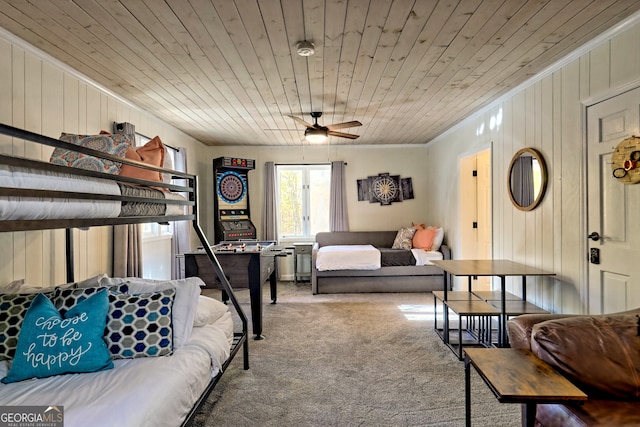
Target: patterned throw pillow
{"points": [[137, 325], [13, 308], [116, 145], [403, 238], [140, 325], [51, 344], [66, 299]]}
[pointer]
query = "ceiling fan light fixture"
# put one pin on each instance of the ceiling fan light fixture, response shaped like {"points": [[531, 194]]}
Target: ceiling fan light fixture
{"points": [[315, 136], [305, 48]]}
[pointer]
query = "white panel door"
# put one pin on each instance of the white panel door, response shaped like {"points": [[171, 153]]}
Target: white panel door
{"points": [[613, 208], [475, 213], [483, 185]]}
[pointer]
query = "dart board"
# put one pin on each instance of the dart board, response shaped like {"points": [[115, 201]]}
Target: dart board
{"points": [[232, 187], [625, 161], [386, 189]]}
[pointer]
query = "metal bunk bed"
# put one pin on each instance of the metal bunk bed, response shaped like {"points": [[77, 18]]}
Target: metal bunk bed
{"points": [[190, 188]]}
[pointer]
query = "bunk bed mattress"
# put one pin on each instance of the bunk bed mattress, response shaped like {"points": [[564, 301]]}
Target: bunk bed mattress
{"points": [[149, 391], [30, 208], [41, 208], [149, 209]]}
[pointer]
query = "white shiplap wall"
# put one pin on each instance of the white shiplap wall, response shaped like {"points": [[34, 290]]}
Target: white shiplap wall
{"points": [[547, 115], [40, 95]]}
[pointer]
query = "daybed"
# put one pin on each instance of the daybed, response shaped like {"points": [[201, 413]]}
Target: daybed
{"points": [[599, 354], [404, 276], [168, 385]]}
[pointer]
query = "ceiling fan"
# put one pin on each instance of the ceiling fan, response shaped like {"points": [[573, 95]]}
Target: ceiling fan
{"points": [[315, 133]]}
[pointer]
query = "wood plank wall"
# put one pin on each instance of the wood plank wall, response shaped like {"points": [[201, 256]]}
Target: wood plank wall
{"points": [[42, 96], [547, 115]]}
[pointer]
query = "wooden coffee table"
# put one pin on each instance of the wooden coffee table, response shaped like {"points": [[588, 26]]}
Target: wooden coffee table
{"points": [[518, 376]]}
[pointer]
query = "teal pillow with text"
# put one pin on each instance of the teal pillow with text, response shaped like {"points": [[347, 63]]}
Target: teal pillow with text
{"points": [[51, 344]]}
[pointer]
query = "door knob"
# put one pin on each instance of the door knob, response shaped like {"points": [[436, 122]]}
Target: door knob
{"points": [[594, 236]]}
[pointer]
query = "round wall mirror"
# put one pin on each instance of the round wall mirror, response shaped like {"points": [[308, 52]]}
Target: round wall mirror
{"points": [[527, 179]]}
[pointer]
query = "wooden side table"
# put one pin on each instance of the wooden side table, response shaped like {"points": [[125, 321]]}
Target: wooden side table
{"points": [[518, 376]]}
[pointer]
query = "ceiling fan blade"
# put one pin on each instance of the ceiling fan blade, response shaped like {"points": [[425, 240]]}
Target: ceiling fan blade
{"points": [[302, 122], [343, 135], [344, 125]]}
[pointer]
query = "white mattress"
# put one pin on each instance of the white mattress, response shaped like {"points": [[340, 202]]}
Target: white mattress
{"points": [[150, 391], [171, 208], [29, 208], [425, 257], [348, 257]]}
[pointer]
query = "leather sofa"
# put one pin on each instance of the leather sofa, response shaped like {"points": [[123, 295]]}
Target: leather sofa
{"points": [[600, 354]]}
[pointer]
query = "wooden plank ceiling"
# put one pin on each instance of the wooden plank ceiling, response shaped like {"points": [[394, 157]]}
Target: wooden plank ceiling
{"points": [[227, 72]]}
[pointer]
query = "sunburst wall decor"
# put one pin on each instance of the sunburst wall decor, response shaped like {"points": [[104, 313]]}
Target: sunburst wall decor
{"points": [[385, 189]]}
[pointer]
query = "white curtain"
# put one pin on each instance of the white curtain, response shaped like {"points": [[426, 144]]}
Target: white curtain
{"points": [[338, 218], [181, 242], [269, 221]]}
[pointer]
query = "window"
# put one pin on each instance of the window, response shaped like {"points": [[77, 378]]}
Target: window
{"points": [[156, 238], [302, 200]]}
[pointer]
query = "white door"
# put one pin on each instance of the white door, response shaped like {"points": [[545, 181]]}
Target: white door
{"points": [[475, 212], [483, 165], [613, 208]]}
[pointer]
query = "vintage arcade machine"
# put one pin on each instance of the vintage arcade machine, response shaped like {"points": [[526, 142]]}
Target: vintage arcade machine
{"points": [[231, 201]]}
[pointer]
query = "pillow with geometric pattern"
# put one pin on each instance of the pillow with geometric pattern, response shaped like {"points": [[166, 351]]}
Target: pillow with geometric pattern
{"points": [[137, 325], [140, 325], [13, 308], [184, 305], [66, 299]]}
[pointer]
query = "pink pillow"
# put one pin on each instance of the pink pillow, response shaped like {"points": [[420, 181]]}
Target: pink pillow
{"points": [[423, 239], [151, 153]]}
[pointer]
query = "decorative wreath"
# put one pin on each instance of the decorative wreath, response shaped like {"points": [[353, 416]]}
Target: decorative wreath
{"points": [[625, 161]]}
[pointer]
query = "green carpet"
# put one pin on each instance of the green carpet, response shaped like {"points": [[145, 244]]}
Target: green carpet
{"points": [[349, 360]]}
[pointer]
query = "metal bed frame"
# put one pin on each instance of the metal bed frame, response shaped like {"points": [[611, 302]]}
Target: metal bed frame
{"points": [[190, 187]]}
